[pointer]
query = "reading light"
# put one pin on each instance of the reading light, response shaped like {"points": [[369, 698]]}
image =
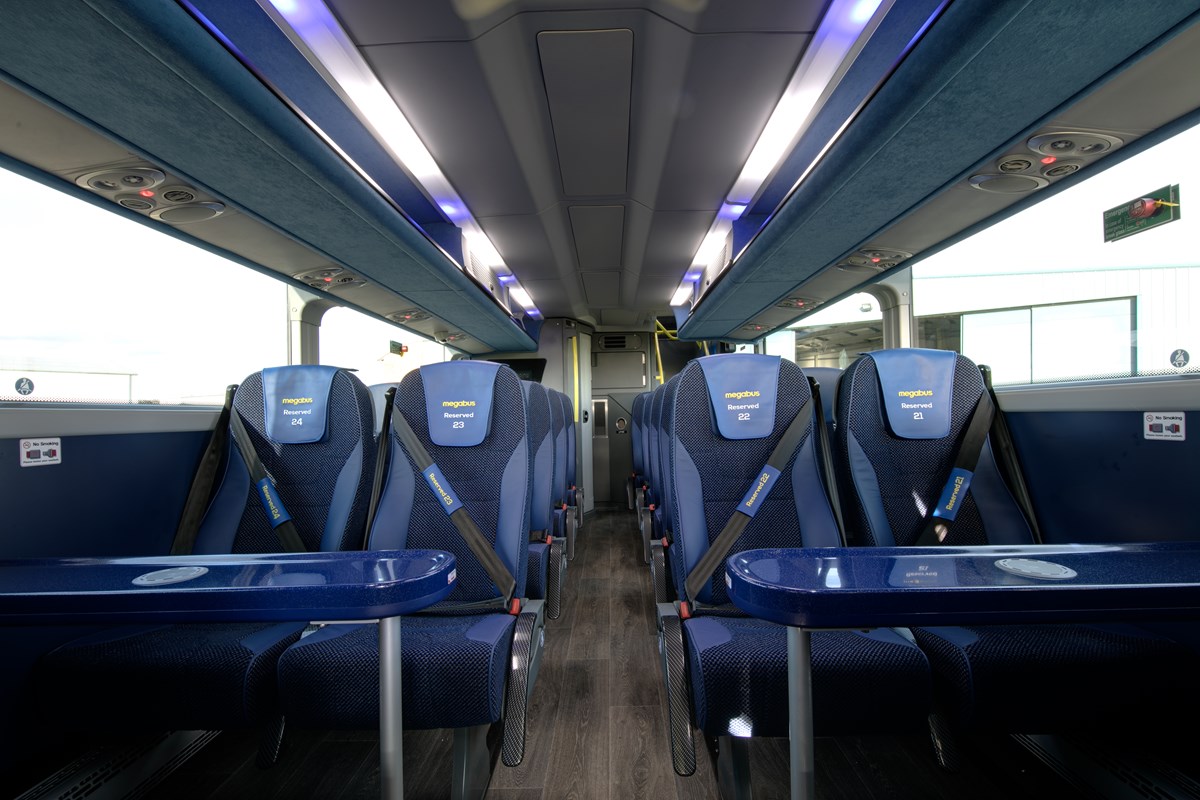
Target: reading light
{"points": [[843, 32], [521, 296]]}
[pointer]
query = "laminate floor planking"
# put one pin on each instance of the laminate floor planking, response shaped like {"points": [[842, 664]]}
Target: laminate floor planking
{"points": [[598, 728]]}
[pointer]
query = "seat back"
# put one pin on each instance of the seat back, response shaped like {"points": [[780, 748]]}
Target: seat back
{"points": [[637, 432], [664, 442], [558, 429], [313, 429], [654, 449], [902, 415], [569, 417], [729, 412], [471, 418], [827, 378], [541, 450], [378, 397]]}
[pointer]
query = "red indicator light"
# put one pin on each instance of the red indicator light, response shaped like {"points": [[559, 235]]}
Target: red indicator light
{"points": [[876, 260], [1049, 159], [327, 280], [146, 193]]}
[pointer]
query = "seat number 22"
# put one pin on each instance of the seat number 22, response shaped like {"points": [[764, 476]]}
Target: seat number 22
{"points": [[743, 415]]}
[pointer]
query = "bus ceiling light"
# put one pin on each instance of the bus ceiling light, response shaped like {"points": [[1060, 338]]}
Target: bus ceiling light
{"points": [[316, 33], [842, 33], [683, 294], [521, 296]]}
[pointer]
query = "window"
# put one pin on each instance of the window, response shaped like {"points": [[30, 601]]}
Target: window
{"points": [[354, 340], [99, 308], [833, 336], [1041, 296]]}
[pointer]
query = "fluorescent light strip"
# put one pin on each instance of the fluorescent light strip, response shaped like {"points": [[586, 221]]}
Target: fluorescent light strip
{"points": [[315, 32], [843, 32]]}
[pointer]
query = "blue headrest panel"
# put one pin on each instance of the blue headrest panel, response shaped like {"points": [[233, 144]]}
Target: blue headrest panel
{"points": [[918, 391], [742, 387], [458, 401], [296, 403]]}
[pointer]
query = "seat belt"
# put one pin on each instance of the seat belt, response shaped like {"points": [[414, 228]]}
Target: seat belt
{"points": [[954, 493], [200, 492], [760, 487], [382, 448], [272, 503], [1006, 455], [480, 548], [826, 448]]}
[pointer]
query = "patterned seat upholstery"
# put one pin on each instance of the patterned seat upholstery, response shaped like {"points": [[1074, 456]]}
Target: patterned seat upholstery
{"points": [[198, 676]]}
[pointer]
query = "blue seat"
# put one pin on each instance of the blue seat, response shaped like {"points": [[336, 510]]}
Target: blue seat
{"points": [[547, 553], [1016, 679], [725, 671], [563, 522], [471, 660], [637, 434], [662, 534], [193, 676], [574, 492], [647, 523]]}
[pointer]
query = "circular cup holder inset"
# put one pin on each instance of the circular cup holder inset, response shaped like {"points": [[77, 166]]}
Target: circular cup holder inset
{"points": [[1035, 568], [163, 577]]}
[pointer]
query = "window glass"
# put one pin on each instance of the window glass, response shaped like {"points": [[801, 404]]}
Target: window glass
{"points": [[360, 342], [1041, 296], [833, 336], [100, 308]]}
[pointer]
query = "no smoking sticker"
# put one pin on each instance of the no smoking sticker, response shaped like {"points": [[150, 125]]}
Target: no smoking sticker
{"points": [[40, 452], [1164, 425]]}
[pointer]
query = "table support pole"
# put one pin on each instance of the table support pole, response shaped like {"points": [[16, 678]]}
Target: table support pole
{"points": [[391, 718], [800, 722]]}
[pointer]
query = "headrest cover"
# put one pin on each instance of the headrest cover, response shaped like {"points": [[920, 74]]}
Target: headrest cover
{"points": [[296, 402], [918, 390], [458, 401], [742, 387]]}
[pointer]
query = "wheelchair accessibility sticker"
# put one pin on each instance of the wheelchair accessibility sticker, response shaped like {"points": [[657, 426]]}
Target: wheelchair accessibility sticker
{"points": [[1164, 425]]}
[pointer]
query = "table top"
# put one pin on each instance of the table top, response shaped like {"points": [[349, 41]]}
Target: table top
{"points": [[866, 587], [223, 588]]}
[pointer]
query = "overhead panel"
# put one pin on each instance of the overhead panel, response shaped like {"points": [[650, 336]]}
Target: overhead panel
{"points": [[599, 233], [587, 75], [602, 288]]}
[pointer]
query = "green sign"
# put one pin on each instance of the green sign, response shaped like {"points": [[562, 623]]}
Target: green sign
{"points": [[1149, 211], [397, 349]]}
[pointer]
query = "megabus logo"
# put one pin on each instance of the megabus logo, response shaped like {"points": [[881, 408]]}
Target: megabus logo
{"points": [[916, 393], [741, 395], [457, 403], [296, 401]]}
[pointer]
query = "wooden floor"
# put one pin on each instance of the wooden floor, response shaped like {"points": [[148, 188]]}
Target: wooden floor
{"points": [[598, 725]]}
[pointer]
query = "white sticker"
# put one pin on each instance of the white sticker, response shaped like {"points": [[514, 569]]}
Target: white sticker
{"points": [[450, 577], [1164, 425], [40, 452]]}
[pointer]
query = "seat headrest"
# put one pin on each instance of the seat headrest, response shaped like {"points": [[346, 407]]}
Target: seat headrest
{"points": [[296, 402], [458, 401], [917, 387], [743, 389]]}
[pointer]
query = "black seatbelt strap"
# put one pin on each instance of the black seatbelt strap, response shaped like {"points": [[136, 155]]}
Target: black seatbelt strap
{"points": [[202, 483], [1006, 456], [954, 493], [826, 448], [272, 503], [383, 447], [759, 488], [480, 547]]}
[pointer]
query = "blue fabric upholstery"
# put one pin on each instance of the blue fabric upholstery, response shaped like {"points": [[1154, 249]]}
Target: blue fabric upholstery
{"points": [[539, 563], [378, 390], [558, 430], [653, 451], [569, 416], [541, 446], [219, 676], [637, 433], [873, 682], [827, 379], [454, 660], [1020, 679], [662, 513]]}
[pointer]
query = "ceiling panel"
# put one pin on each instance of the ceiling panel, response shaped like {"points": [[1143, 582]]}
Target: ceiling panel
{"points": [[602, 288], [599, 232], [587, 78]]}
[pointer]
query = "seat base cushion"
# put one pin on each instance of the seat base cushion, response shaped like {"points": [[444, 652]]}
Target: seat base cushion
{"points": [[453, 673], [874, 682], [1057, 678], [187, 677]]}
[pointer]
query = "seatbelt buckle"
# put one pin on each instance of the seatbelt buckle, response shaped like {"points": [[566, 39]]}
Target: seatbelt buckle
{"points": [[514, 606], [684, 611], [665, 543]]}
